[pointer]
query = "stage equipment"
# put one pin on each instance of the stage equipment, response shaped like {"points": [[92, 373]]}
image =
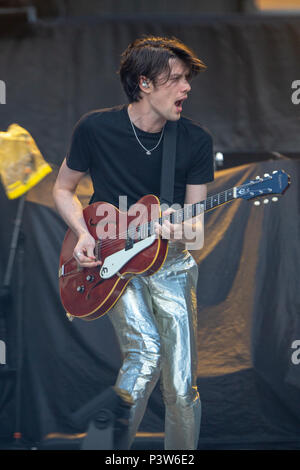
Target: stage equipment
{"points": [[218, 160], [106, 418], [16, 21]]}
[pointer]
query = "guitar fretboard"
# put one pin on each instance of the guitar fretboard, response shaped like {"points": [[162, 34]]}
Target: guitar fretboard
{"points": [[179, 216]]}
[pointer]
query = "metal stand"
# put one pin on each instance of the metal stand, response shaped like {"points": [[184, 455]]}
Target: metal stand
{"points": [[19, 337], [16, 249]]}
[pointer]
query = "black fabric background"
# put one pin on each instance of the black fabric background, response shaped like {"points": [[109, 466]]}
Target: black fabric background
{"points": [[248, 300], [64, 69], [248, 290]]}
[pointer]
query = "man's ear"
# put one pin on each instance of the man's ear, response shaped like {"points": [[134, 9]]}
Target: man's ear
{"points": [[144, 84]]}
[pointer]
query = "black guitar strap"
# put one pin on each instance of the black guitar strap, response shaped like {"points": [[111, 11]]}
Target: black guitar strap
{"points": [[168, 163]]}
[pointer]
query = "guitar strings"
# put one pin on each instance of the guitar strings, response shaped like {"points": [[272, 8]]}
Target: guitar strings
{"points": [[106, 243], [139, 228], [201, 204]]}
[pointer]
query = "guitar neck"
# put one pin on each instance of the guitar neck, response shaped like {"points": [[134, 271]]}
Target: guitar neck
{"points": [[188, 212], [192, 210]]}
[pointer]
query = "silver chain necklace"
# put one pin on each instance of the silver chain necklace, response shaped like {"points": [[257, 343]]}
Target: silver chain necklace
{"points": [[148, 151]]}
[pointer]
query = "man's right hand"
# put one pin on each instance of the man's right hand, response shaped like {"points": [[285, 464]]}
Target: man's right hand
{"points": [[84, 251]]}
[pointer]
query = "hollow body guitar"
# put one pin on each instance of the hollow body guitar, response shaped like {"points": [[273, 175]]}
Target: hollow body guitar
{"points": [[127, 246]]}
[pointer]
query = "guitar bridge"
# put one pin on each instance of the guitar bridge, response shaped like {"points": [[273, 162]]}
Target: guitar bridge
{"points": [[62, 272]]}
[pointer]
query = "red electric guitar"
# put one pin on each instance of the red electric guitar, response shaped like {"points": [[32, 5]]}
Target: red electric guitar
{"points": [[132, 248]]}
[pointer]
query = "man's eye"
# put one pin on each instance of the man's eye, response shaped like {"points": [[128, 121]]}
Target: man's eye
{"points": [[176, 79]]}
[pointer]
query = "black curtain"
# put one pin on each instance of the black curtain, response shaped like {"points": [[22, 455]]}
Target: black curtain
{"points": [[248, 302], [62, 69], [248, 292]]}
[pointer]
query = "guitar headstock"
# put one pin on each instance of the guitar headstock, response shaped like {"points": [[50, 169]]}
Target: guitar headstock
{"points": [[276, 183]]}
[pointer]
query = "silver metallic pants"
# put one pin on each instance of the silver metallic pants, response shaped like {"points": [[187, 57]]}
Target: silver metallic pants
{"points": [[156, 324]]}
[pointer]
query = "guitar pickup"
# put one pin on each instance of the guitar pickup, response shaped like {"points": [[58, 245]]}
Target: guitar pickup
{"points": [[133, 236], [129, 244]]}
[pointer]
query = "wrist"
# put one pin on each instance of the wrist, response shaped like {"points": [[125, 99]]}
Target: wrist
{"points": [[82, 232]]}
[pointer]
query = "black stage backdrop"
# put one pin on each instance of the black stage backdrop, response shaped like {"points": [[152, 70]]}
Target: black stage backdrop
{"points": [[248, 291], [62, 69], [249, 307]]}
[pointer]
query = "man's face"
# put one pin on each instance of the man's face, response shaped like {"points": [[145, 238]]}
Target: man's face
{"points": [[166, 98]]}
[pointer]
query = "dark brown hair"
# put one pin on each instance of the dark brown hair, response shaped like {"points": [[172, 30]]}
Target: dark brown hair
{"points": [[149, 56]]}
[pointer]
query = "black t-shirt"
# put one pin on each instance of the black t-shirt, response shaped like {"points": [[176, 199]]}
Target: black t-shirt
{"points": [[104, 144]]}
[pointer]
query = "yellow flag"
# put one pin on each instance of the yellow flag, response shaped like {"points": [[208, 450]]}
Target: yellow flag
{"points": [[22, 165]]}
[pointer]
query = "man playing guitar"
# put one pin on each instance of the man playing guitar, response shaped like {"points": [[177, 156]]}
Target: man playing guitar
{"points": [[155, 319]]}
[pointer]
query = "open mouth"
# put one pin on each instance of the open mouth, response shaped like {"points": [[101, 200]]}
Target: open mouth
{"points": [[178, 105]]}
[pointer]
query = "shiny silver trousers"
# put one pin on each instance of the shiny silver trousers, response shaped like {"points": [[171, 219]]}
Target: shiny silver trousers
{"points": [[155, 321]]}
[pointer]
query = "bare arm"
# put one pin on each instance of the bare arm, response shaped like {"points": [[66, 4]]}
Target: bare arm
{"points": [[70, 209]]}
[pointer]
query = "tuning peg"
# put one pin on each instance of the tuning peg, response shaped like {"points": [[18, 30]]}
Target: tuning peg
{"points": [[266, 175], [275, 171], [256, 203], [257, 177], [266, 201], [274, 199]]}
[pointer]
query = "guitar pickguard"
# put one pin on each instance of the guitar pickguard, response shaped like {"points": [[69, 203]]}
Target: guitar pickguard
{"points": [[113, 263]]}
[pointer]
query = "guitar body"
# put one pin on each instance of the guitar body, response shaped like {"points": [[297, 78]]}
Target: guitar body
{"points": [[87, 294]]}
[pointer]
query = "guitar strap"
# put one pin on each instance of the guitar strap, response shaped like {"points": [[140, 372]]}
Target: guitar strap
{"points": [[168, 163]]}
